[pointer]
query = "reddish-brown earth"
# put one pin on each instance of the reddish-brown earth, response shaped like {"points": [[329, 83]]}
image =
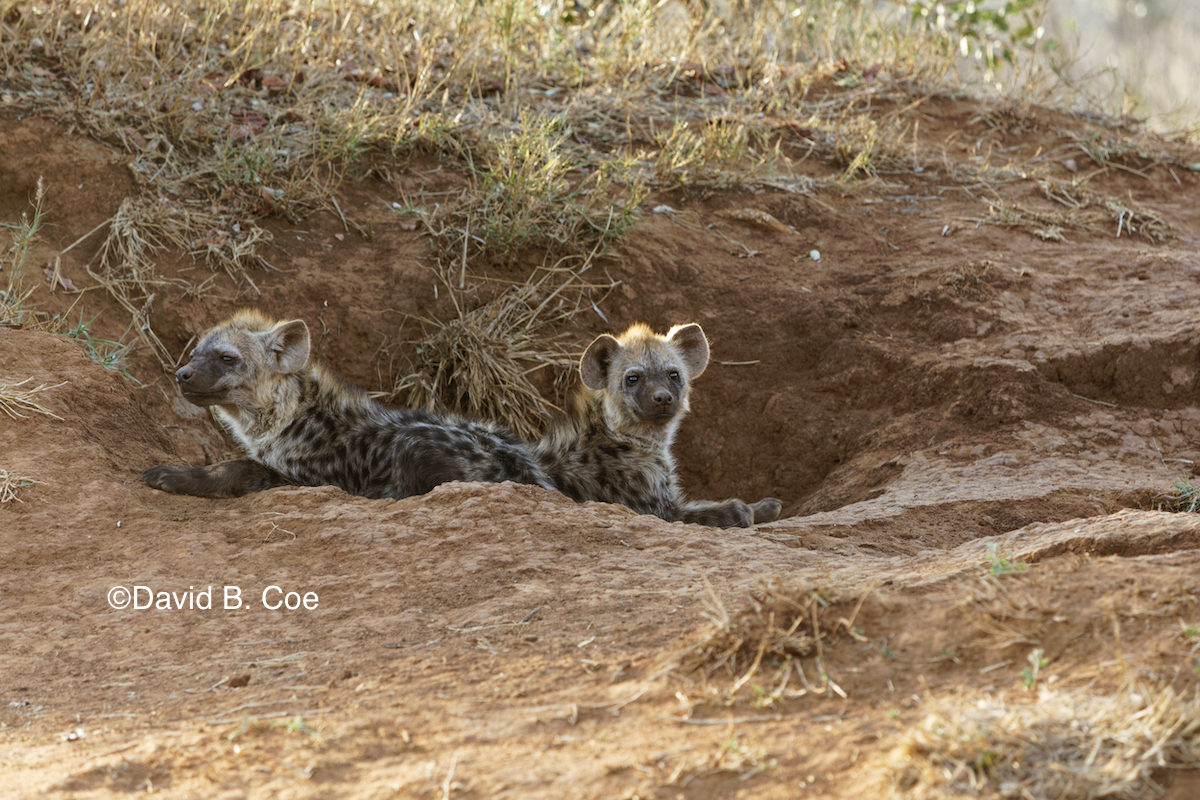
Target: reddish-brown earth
{"points": [[929, 387]]}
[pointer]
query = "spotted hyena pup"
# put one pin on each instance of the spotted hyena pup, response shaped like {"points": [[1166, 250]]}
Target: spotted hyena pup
{"points": [[615, 446], [304, 425]]}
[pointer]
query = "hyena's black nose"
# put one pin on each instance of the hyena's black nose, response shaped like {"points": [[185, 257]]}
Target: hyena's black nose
{"points": [[184, 374], [663, 398]]}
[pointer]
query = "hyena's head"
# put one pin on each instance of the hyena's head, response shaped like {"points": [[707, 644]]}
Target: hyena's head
{"points": [[241, 361], [644, 378]]}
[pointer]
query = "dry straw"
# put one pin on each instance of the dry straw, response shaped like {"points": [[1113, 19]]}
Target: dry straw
{"points": [[1067, 744], [17, 289], [481, 359], [1131, 218], [11, 485], [140, 230], [14, 399], [783, 622]]}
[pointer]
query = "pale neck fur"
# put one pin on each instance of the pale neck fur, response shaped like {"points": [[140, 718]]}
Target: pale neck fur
{"points": [[273, 407]]}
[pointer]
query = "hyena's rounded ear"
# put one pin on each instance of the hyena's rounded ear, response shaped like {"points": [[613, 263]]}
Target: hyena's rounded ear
{"points": [[289, 343], [692, 345], [596, 361]]}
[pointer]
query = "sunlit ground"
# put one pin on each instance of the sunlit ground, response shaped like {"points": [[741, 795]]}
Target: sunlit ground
{"points": [[1144, 50]]}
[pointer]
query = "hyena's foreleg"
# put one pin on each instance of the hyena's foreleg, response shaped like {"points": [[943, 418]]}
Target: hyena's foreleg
{"points": [[729, 513], [723, 514], [226, 479]]}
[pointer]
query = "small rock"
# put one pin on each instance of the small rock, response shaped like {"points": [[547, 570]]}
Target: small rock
{"points": [[72, 736]]}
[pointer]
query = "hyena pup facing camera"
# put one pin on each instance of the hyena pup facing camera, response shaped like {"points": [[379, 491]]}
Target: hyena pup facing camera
{"points": [[615, 446], [304, 425]]}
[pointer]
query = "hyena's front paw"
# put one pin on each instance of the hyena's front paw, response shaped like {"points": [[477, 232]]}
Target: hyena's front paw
{"points": [[766, 510], [226, 479], [723, 514], [177, 480]]}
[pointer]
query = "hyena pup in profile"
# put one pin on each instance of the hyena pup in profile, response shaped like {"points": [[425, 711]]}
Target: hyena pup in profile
{"points": [[304, 425], [615, 445]]}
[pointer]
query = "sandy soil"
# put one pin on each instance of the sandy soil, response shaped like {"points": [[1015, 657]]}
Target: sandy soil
{"points": [[932, 393]]}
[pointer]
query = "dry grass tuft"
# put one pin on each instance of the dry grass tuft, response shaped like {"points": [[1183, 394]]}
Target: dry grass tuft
{"points": [[969, 276], [1130, 152], [1069, 744], [785, 623], [1046, 226], [1009, 612], [710, 155], [14, 400], [1131, 217], [865, 146], [481, 360], [1185, 499], [531, 194], [1084, 209], [15, 294], [11, 485], [145, 226]]}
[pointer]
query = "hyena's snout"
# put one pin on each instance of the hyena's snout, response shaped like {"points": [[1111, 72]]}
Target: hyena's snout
{"points": [[197, 384], [659, 402], [663, 399]]}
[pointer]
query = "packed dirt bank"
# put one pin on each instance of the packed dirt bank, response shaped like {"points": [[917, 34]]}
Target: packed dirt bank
{"points": [[972, 428]]}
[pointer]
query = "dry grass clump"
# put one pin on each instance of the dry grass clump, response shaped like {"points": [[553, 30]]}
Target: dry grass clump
{"points": [[1131, 217], [11, 485], [532, 194], [865, 147], [1084, 209], [1131, 152], [783, 624], [706, 155], [482, 359], [1047, 226], [969, 276], [1185, 499], [1008, 612], [1068, 744], [16, 292], [144, 226], [14, 399]]}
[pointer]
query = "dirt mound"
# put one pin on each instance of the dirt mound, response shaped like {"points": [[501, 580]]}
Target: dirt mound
{"points": [[973, 430]]}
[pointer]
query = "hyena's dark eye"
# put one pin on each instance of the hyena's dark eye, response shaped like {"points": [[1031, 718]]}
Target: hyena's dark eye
{"points": [[673, 375], [631, 379]]}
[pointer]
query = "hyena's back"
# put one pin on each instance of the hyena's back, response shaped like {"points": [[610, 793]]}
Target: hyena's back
{"points": [[301, 424], [399, 453]]}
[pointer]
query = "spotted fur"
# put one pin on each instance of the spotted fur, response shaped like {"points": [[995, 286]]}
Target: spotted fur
{"points": [[615, 446], [302, 424]]}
